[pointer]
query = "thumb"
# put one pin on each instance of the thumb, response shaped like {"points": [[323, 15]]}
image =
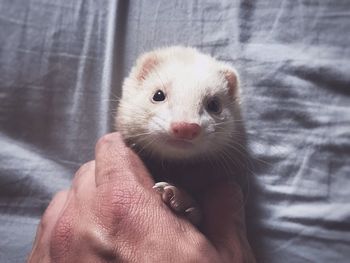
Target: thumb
{"points": [[223, 221]]}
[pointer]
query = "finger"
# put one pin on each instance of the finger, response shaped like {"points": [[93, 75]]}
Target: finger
{"points": [[83, 184], [115, 162], [78, 218], [85, 168], [224, 217], [53, 210], [46, 226]]}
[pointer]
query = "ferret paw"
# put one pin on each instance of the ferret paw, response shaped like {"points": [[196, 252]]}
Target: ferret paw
{"points": [[179, 201]]}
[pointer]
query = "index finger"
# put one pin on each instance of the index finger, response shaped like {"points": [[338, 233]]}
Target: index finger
{"points": [[115, 162]]}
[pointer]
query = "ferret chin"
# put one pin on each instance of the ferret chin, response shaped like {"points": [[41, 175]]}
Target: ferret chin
{"points": [[180, 104]]}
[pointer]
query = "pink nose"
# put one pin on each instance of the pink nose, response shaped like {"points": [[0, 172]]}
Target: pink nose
{"points": [[184, 130]]}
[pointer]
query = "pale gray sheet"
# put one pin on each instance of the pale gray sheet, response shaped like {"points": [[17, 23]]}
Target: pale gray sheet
{"points": [[61, 67]]}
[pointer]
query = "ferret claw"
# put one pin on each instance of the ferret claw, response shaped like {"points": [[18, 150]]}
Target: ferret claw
{"points": [[179, 201], [159, 187]]}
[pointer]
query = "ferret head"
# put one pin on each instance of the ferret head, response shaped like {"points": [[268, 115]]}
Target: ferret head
{"points": [[178, 103]]}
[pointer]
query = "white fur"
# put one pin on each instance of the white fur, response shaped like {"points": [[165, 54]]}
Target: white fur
{"points": [[188, 78]]}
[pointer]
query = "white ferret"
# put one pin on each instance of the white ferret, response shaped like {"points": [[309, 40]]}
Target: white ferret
{"points": [[180, 112]]}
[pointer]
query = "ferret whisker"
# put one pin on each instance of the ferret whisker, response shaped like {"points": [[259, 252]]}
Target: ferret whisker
{"points": [[150, 150], [117, 99], [247, 167], [226, 122], [236, 146], [226, 156], [208, 159], [112, 99], [242, 184], [240, 165], [134, 136], [144, 114], [112, 94], [244, 151], [221, 160], [246, 160], [133, 109], [229, 135], [160, 126], [234, 101], [160, 118], [226, 165], [145, 145], [133, 115]]}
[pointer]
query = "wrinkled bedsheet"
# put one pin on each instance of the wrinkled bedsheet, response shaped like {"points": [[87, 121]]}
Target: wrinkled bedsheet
{"points": [[61, 68]]}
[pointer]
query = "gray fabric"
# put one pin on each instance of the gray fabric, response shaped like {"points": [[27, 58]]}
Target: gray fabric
{"points": [[61, 67]]}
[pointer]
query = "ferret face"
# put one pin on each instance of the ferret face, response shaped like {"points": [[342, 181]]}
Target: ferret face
{"points": [[178, 103]]}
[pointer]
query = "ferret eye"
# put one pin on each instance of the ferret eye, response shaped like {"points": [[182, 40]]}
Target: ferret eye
{"points": [[158, 96], [214, 105]]}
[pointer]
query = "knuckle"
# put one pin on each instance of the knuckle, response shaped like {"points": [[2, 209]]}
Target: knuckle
{"points": [[120, 201], [84, 168], [84, 171], [99, 241], [107, 140]]}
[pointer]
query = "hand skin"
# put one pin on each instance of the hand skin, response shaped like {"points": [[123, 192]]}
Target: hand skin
{"points": [[112, 214]]}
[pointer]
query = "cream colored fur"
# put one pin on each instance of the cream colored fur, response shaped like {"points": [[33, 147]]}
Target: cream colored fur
{"points": [[188, 78]]}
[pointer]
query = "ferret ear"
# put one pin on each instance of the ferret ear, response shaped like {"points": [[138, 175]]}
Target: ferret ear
{"points": [[231, 77], [145, 64]]}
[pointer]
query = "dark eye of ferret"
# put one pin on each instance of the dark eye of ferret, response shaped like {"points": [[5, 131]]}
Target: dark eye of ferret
{"points": [[158, 96], [214, 105]]}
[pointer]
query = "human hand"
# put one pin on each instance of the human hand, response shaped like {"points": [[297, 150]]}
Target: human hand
{"points": [[112, 214]]}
